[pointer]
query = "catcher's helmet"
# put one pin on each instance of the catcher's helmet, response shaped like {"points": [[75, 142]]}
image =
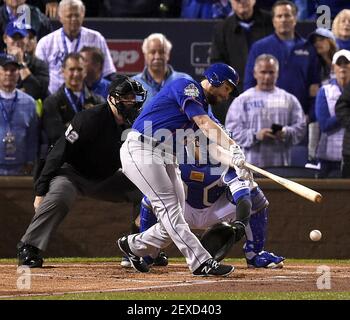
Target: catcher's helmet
{"points": [[217, 73], [123, 85]]}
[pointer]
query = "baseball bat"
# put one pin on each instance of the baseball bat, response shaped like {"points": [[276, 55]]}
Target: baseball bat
{"points": [[295, 187], [223, 156]]}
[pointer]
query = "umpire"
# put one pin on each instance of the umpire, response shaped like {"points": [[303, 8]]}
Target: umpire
{"points": [[85, 160]]}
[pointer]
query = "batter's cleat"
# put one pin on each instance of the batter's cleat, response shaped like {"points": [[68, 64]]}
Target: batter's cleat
{"points": [[29, 256], [160, 261], [125, 263], [136, 262], [266, 259], [213, 268]]}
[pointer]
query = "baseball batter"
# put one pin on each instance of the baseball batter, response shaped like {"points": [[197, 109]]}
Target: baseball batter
{"points": [[211, 197], [148, 159]]}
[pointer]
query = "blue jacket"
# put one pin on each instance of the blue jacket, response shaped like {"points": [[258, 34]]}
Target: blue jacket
{"points": [[100, 87], [327, 122], [153, 87], [298, 69]]}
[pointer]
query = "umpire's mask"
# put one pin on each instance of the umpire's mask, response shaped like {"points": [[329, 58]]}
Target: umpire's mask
{"points": [[129, 96]]}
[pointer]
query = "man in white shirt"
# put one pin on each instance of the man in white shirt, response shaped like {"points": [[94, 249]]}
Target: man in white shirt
{"points": [[72, 37], [266, 120]]}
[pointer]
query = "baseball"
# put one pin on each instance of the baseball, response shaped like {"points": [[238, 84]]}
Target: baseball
{"points": [[315, 235]]}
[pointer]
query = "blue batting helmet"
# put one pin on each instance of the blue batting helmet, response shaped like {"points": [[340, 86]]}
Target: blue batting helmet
{"points": [[217, 73]]}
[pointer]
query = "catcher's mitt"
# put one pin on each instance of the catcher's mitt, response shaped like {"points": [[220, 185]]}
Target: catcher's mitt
{"points": [[219, 238]]}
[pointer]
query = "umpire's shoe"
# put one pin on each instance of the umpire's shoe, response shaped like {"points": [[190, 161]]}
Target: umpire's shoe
{"points": [[213, 268], [136, 262], [29, 256]]}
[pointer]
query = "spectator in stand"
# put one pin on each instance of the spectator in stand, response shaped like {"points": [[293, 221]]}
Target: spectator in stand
{"points": [[19, 11], [18, 122], [341, 29], [299, 66], [247, 25], [34, 73], [205, 9], [342, 112], [329, 150], [72, 37], [157, 72], [265, 120], [72, 97], [324, 42], [94, 60]]}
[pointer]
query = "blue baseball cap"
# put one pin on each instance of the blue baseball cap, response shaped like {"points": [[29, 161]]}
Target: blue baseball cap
{"points": [[322, 32], [12, 29], [6, 59]]}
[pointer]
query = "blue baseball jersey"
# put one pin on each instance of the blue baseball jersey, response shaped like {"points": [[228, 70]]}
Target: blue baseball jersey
{"points": [[172, 108]]}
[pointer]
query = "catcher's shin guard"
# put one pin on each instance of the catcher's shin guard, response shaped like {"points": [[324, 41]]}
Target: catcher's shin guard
{"points": [[255, 232], [147, 217], [259, 200]]}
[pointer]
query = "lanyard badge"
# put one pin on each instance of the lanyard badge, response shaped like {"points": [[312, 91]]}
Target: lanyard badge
{"points": [[9, 140], [10, 146]]}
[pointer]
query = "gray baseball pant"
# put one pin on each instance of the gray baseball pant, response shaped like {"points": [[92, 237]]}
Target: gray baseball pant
{"points": [[161, 183]]}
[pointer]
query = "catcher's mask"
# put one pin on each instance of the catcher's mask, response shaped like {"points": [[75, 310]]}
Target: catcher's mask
{"points": [[129, 96]]}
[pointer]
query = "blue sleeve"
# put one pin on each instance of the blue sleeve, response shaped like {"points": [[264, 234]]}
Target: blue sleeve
{"points": [[326, 122], [189, 97], [249, 80], [192, 108]]}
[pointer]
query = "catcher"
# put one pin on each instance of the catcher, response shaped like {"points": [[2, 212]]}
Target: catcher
{"points": [[212, 195]]}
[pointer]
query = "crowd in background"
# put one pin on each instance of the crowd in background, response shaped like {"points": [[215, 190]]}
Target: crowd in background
{"points": [[294, 104]]}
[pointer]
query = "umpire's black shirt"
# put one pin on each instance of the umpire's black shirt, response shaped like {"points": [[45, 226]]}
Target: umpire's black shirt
{"points": [[91, 144]]}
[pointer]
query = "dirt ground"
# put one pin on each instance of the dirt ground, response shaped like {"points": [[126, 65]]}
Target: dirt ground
{"points": [[59, 278]]}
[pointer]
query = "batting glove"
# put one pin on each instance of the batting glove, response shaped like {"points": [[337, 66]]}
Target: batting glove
{"points": [[238, 157], [244, 173]]}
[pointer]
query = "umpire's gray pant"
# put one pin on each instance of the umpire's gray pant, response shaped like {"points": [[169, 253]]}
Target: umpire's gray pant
{"points": [[63, 190]]}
